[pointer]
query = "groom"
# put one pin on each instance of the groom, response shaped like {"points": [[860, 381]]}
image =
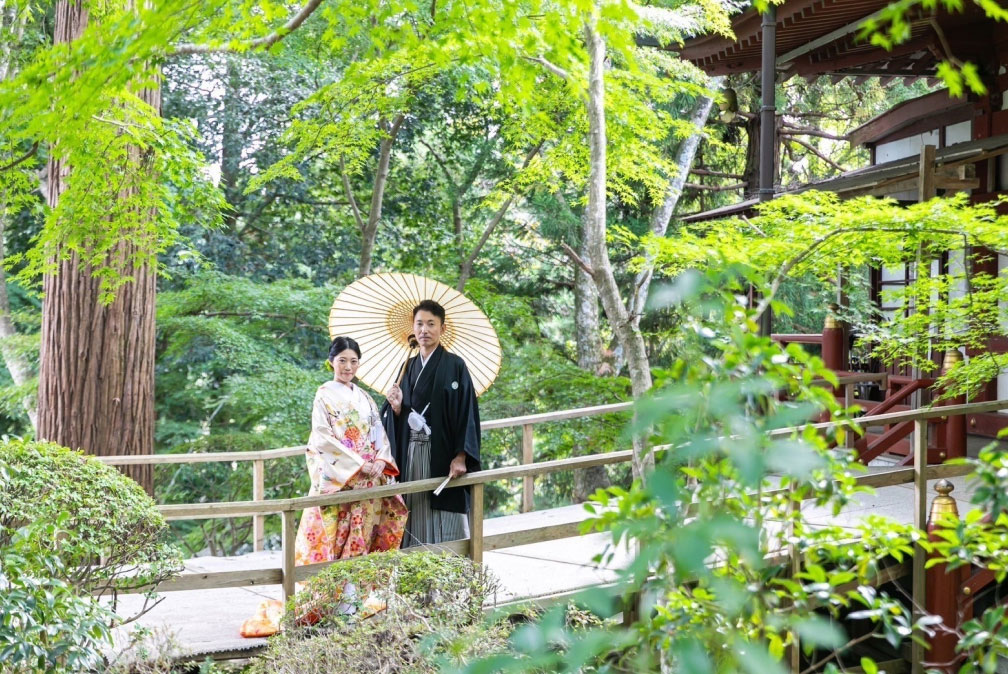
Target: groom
{"points": [[432, 421]]}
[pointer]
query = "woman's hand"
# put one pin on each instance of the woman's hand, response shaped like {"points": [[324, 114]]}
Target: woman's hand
{"points": [[394, 397], [373, 469]]}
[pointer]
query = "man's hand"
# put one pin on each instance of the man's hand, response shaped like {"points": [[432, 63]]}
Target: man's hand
{"points": [[394, 397], [458, 466]]}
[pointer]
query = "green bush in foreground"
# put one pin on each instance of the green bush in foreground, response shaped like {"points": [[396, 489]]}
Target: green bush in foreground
{"points": [[433, 615], [44, 625], [109, 535]]}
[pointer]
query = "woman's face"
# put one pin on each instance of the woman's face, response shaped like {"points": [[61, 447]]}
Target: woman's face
{"points": [[345, 365]]}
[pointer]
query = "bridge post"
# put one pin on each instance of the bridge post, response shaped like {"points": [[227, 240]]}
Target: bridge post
{"points": [[955, 427], [833, 344], [942, 593], [288, 533], [476, 524], [528, 454], [258, 494]]}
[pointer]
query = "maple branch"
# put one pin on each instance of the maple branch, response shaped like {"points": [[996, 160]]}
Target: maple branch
{"points": [[25, 157], [817, 153], [577, 259], [259, 43], [553, 68]]}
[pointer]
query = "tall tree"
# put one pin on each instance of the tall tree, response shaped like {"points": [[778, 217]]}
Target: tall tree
{"points": [[96, 376]]}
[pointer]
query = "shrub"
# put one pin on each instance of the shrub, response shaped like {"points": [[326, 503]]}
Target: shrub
{"points": [[45, 625], [110, 536], [434, 614]]}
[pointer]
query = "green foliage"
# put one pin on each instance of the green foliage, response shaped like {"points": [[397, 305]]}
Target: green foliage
{"points": [[240, 356], [189, 482], [46, 626], [102, 515], [722, 502], [433, 617], [803, 235]]}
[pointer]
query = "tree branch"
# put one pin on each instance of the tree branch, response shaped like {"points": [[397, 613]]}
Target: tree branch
{"points": [[792, 129], [350, 197], [20, 160], [577, 259], [555, 69], [817, 153], [715, 174], [716, 188], [259, 43]]}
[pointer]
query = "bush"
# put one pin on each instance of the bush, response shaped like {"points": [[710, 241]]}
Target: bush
{"points": [[433, 615], [110, 536], [46, 626]]}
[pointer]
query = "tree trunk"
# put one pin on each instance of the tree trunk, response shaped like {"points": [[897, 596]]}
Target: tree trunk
{"points": [[18, 366], [231, 143], [587, 330], [589, 357], [595, 229], [96, 378], [663, 214], [750, 174], [370, 230]]}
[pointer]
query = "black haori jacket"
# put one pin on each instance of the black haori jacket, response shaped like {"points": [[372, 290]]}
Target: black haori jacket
{"points": [[453, 417]]}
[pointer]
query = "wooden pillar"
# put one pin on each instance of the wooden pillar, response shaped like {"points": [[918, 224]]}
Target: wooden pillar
{"points": [[918, 587], [476, 524], [528, 454], [289, 531], [926, 174], [955, 427], [833, 345], [258, 494], [942, 589]]}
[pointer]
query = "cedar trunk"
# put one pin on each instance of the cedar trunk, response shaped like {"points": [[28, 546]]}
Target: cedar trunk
{"points": [[96, 377]]}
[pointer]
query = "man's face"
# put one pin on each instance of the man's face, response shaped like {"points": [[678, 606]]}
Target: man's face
{"points": [[427, 328]]}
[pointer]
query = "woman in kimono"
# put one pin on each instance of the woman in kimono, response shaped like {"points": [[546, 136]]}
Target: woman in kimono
{"points": [[348, 449]]}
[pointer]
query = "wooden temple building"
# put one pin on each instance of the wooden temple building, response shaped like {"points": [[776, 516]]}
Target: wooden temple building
{"points": [[932, 145]]}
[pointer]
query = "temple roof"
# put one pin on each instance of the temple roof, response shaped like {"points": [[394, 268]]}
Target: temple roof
{"points": [[822, 37]]}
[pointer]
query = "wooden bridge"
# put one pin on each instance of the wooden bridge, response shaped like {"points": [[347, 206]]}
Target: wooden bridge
{"points": [[535, 555]]}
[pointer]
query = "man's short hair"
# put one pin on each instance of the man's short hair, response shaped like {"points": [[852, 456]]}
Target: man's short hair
{"points": [[431, 306]]}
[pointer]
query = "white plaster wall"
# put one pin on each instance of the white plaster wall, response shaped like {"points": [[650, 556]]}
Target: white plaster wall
{"points": [[960, 132], [904, 147]]}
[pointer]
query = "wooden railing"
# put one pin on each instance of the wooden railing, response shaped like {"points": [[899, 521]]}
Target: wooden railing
{"points": [[259, 458], [918, 474], [527, 423]]}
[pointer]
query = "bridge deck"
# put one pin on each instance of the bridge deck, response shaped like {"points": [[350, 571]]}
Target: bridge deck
{"points": [[207, 621]]}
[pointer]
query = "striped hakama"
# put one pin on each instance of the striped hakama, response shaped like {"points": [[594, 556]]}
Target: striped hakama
{"points": [[427, 525]]}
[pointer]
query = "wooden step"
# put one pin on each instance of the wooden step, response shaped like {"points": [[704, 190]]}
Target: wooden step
{"points": [[901, 448]]}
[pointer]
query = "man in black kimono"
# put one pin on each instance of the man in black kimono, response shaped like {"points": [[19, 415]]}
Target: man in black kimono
{"points": [[432, 421]]}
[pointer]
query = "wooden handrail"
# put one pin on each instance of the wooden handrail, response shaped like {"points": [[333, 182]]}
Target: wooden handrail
{"points": [[267, 454], [919, 474], [507, 422], [246, 508]]}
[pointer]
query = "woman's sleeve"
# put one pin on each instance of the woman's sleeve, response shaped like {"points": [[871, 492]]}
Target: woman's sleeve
{"points": [[383, 449], [338, 463]]}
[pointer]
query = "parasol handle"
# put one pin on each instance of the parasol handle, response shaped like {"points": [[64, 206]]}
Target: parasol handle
{"points": [[402, 371]]}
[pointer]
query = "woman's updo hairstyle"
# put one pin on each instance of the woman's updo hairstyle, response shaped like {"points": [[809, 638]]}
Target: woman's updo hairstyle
{"points": [[341, 344]]}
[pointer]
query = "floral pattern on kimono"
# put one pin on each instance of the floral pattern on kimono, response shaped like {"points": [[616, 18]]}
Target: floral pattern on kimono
{"points": [[346, 433]]}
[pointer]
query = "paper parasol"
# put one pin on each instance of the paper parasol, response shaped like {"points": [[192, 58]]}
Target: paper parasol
{"points": [[377, 312]]}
